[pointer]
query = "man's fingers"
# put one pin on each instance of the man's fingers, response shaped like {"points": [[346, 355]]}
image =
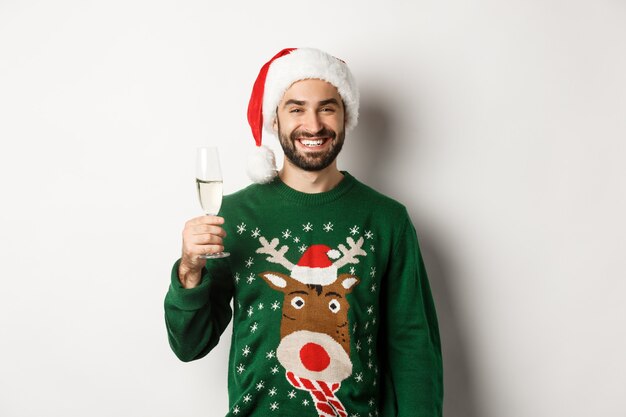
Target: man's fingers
{"points": [[207, 239], [206, 220], [203, 229], [205, 250]]}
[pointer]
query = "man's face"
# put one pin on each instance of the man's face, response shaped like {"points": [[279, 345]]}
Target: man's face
{"points": [[310, 124]]}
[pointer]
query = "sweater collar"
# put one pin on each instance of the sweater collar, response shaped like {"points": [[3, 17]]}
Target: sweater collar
{"points": [[299, 197]]}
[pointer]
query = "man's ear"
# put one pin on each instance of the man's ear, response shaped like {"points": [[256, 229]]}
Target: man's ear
{"points": [[275, 124]]}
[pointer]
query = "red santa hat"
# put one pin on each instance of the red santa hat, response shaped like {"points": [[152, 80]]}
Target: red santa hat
{"points": [[276, 76], [315, 266]]}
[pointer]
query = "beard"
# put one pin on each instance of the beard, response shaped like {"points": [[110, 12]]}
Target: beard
{"points": [[311, 161]]}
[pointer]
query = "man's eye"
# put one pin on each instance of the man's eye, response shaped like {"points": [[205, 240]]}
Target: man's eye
{"points": [[328, 110], [295, 111]]}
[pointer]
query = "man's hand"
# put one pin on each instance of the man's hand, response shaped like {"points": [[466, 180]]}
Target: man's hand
{"points": [[201, 235]]}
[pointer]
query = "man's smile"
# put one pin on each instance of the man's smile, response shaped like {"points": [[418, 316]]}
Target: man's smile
{"points": [[313, 143]]}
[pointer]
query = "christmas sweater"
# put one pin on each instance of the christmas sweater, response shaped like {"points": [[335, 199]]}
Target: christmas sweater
{"points": [[332, 311]]}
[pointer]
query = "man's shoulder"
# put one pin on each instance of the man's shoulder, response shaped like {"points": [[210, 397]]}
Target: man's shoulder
{"points": [[376, 199], [245, 194]]}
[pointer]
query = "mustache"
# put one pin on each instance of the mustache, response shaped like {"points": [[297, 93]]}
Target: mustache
{"points": [[323, 132]]}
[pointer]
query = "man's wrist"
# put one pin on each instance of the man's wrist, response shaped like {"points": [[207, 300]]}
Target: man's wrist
{"points": [[188, 277]]}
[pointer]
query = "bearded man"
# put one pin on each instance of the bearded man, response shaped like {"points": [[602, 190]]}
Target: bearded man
{"points": [[333, 314]]}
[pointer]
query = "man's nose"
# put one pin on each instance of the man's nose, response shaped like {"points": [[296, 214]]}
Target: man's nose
{"points": [[312, 122]]}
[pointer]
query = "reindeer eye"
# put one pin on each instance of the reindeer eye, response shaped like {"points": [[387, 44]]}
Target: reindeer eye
{"points": [[334, 306], [297, 302]]}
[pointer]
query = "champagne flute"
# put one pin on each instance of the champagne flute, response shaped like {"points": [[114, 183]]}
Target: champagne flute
{"points": [[209, 182]]}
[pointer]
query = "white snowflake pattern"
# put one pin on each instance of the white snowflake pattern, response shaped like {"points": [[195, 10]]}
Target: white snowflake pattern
{"points": [[249, 262], [369, 234], [367, 325], [236, 410], [260, 385], [237, 277], [287, 234], [369, 352], [261, 306], [240, 368], [302, 248], [372, 271], [374, 320], [372, 248], [355, 415], [307, 227], [254, 327], [371, 402], [352, 270], [354, 328], [273, 391], [250, 311], [246, 351], [247, 398], [275, 305], [359, 377], [274, 406], [270, 355], [241, 228], [354, 230], [291, 395], [370, 310], [328, 227], [250, 278], [305, 402], [358, 345], [296, 239], [256, 233], [274, 370], [373, 288], [370, 339]]}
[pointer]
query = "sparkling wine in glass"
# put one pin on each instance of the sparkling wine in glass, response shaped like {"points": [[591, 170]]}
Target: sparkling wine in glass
{"points": [[209, 183]]}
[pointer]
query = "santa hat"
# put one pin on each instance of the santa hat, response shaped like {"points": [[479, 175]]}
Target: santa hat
{"points": [[276, 76], [315, 266]]}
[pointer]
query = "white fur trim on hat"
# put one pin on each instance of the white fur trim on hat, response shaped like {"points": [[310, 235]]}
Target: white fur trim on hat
{"points": [[309, 63]]}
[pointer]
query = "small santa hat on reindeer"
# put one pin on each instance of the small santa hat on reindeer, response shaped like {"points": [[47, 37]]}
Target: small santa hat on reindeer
{"points": [[276, 76], [315, 266]]}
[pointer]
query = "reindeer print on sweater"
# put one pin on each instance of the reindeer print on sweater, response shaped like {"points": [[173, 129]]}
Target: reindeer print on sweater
{"points": [[312, 283], [314, 344]]}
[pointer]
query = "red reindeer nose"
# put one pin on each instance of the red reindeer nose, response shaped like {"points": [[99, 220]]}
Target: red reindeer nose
{"points": [[314, 357]]}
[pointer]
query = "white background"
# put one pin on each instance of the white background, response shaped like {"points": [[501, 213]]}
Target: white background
{"points": [[500, 124]]}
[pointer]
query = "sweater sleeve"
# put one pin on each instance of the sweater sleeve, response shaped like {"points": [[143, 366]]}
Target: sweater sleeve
{"points": [[413, 372], [196, 318]]}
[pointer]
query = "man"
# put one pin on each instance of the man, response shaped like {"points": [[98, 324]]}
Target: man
{"points": [[333, 314]]}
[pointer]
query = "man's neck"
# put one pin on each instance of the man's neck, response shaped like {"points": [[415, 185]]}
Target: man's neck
{"points": [[310, 182]]}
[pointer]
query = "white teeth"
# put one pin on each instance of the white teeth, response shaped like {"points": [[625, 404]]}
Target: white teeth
{"points": [[311, 142]]}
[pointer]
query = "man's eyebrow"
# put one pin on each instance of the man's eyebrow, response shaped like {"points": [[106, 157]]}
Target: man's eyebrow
{"points": [[303, 102], [329, 101], [296, 102]]}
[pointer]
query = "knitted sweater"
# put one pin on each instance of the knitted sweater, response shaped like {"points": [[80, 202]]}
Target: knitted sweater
{"points": [[333, 314]]}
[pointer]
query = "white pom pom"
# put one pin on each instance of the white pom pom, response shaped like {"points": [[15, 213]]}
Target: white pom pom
{"points": [[261, 165], [333, 254]]}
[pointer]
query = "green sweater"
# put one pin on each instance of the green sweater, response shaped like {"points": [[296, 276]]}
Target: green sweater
{"points": [[333, 313]]}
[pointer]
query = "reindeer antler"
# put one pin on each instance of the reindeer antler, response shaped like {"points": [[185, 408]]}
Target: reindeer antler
{"points": [[349, 255], [276, 256]]}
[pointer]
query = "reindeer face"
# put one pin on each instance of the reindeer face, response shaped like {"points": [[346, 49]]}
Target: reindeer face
{"points": [[314, 331]]}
